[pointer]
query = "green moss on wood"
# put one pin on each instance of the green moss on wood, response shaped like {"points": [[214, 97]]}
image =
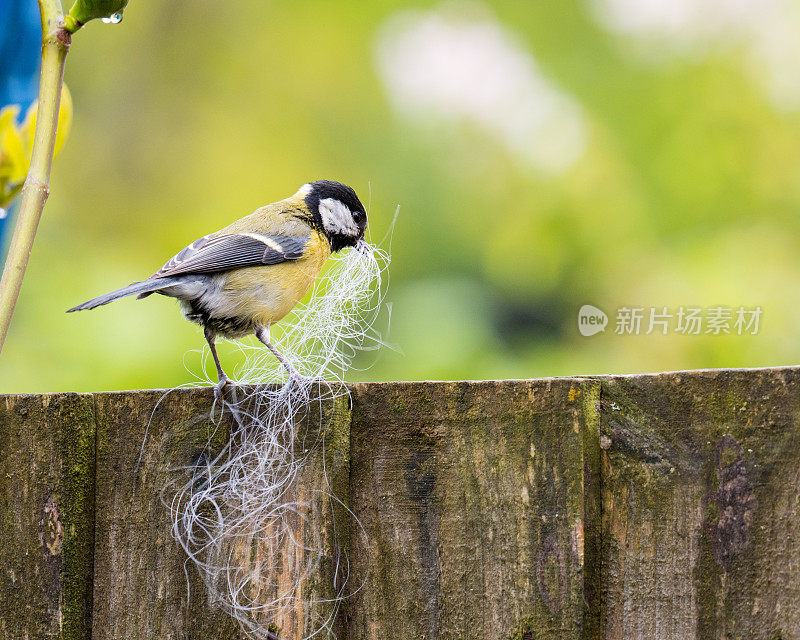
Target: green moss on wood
{"points": [[48, 459], [525, 630], [78, 513]]}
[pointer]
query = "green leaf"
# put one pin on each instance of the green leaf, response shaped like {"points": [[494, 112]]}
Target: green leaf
{"points": [[84, 10]]}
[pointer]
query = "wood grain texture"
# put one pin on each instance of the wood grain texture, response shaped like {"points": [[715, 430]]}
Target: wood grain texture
{"points": [[46, 516], [140, 587], [663, 507], [701, 500], [471, 498]]}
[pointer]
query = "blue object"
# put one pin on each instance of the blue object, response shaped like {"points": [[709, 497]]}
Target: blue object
{"points": [[20, 55]]}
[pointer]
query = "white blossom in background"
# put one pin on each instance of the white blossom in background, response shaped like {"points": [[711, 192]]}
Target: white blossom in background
{"points": [[769, 31], [681, 22], [457, 63], [775, 56]]}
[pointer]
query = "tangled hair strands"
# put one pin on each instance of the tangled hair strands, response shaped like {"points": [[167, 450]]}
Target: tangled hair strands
{"points": [[235, 513]]}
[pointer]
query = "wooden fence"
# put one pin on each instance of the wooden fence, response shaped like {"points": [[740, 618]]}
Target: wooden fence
{"points": [[658, 506]]}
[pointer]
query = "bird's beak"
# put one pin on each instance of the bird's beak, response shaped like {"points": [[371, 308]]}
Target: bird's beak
{"points": [[363, 248]]}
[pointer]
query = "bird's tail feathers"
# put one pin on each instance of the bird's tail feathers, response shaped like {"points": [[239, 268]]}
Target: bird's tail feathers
{"points": [[145, 287]]}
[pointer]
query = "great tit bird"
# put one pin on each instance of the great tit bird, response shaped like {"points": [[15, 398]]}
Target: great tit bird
{"points": [[249, 275]]}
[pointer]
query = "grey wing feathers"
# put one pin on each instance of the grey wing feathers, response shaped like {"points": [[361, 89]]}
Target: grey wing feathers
{"points": [[208, 255], [183, 254], [213, 254]]}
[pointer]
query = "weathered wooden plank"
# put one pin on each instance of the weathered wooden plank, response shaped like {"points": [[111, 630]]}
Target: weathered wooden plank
{"points": [[701, 505], [140, 584], [480, 504], [471, 498], [46, 512]]}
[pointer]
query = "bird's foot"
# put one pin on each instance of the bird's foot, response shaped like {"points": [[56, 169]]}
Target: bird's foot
{"points": [[294, 374], [219, 388], [223, 381], [294, 379], [297, 378], [231, 403]]}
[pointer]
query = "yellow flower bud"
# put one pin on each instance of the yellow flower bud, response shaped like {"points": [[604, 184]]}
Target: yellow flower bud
{"points": [[16, 143]]}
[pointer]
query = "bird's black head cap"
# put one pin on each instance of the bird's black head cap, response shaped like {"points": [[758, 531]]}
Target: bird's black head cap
{"points": [[337, 212]]}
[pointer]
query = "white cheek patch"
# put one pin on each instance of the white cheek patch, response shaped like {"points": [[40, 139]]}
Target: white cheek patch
{"points": [[337, 218]]}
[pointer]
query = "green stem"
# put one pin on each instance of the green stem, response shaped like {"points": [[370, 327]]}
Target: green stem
{"points": [[55, 44]]}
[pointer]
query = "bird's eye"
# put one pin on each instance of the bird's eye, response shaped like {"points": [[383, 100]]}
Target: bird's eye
{"points": [[358, 216]]}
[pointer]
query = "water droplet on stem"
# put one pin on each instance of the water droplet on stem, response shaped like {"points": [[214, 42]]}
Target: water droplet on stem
{"points": [[114, 18]]}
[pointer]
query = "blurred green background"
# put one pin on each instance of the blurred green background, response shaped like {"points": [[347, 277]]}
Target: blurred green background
{"points": [[545, 155]]}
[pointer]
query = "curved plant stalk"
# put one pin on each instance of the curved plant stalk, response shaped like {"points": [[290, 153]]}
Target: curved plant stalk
{"points": [[55, 44]]}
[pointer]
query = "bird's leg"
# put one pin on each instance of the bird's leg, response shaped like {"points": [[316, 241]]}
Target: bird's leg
{"points": [[210, 336], [262, 333], [223, 379]]}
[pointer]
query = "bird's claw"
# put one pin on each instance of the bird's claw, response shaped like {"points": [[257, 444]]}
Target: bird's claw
{"points": [[219, 389], [231, 404], [295, 377]]}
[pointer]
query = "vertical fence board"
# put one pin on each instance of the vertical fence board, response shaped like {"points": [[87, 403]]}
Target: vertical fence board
{"points": [[471, 497], [140, 584], [46, 513], [701, 506]]}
